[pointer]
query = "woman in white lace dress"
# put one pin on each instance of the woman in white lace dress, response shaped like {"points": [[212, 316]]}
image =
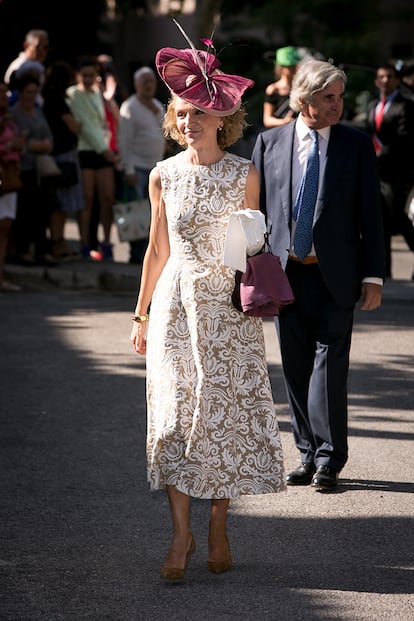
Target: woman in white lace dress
{"points": [[212, 431]]}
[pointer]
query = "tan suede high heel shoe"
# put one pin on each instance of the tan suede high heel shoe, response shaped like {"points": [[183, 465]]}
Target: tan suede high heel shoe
{"points": [[176, 573], [219, 567]]}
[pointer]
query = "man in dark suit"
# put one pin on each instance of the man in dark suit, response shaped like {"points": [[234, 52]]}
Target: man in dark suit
{"points": [[391, 124], [342, 262]]}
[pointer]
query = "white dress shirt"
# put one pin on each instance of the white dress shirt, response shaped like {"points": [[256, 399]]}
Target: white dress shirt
{"points": [[141, 140]]}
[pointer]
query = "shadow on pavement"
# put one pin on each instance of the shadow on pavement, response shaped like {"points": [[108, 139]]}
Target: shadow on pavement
{"points": [[81, 536]]}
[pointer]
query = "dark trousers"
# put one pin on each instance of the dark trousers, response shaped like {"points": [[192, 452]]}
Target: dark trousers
{"points": [[34, 206], [315, 340]]}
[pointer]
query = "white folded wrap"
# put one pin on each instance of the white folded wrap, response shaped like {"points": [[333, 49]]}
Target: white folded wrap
{"points": [[245, 237]]}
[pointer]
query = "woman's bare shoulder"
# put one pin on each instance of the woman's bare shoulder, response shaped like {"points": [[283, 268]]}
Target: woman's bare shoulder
{"points": [[155, 176], [272, 89]]}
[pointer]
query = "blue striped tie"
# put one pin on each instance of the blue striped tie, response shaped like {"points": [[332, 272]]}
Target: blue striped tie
{"points": [[306, 200]]}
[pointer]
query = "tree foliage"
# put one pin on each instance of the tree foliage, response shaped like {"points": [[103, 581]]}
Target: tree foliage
{"points": [[339, 29], [73, 28]]}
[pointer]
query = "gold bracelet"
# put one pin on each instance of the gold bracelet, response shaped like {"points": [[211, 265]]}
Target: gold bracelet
{"points": [[140, 318]]}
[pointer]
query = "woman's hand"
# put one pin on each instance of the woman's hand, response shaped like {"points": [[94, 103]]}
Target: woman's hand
{"points": [[130, 180], [17, 143], [40, 145], [138, 339], [110, 156]]}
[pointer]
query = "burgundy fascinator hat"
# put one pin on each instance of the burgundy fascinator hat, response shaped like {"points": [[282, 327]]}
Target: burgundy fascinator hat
{"points": [[194, 75]]}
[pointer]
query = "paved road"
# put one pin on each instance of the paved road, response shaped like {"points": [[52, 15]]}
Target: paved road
{"points": [[81, 538]]}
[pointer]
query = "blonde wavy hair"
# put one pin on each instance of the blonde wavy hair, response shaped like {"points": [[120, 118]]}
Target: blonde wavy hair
{"points": [[232, 130]]}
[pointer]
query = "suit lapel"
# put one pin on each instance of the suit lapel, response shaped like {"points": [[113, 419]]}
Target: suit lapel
{"points": [[283, 167], [334, 155]]}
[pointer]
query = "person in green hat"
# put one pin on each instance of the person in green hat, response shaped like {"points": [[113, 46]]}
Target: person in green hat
{"points": [[276, 110]]}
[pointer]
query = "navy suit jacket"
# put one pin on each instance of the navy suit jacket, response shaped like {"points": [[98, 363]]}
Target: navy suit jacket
{"points": [[396, 159], [347, 232]]}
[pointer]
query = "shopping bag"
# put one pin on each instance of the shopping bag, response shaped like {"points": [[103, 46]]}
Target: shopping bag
{"points": [[46, 166], [133, 219]]}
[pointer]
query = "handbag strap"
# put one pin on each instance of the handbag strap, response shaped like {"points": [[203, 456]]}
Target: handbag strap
{"points": [[266, 246]]}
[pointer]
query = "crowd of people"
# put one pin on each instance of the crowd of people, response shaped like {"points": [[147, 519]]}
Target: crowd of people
{"points": [[106, 140], [85, 142]]}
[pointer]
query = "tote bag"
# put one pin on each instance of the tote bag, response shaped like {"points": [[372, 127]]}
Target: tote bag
{"points": [[132, 219]]}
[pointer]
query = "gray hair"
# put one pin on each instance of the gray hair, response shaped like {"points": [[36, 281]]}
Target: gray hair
{"points": [[311, 77], [33, 35], [142, 71]]}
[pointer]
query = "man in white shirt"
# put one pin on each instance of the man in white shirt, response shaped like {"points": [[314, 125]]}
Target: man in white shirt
{"points": [[31, 58], [391, 123]]}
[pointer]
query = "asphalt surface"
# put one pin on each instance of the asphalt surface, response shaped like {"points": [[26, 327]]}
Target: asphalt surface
{"points": [[82, 538]]}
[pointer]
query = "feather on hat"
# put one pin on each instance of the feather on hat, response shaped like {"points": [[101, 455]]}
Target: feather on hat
{"points": [[194, 75]]}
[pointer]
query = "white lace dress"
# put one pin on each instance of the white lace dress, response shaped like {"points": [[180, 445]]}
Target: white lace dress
{"points": [[212, 430]]}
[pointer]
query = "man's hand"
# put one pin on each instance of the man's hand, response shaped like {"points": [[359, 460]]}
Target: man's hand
{"points": [[371, 296]]}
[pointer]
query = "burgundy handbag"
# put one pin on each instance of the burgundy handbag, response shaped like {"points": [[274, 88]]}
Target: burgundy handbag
{"points": [[263, 289]]}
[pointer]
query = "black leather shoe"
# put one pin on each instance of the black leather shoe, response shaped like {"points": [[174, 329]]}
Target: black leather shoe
{"points": [[325, 479], [302, 475]]}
